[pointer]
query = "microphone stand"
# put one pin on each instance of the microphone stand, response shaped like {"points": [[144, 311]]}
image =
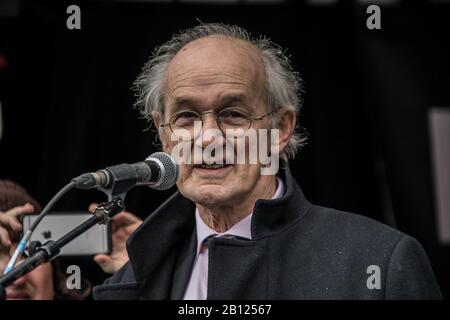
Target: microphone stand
{"points": [[51, 249]]}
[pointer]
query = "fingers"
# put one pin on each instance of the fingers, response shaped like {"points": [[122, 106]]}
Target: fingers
{"points": [[4, 238], [92, 206], [10, 218], [102, 259], [20, 210], [110, 264], [125, 221], [125, 218], [10, 222], [120, 236], [105, 262]]}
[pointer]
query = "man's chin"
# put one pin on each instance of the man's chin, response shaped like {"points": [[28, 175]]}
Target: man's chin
{"points": [[210, 195]]}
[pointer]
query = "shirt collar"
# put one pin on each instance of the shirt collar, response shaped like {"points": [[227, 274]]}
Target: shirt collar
{"points": [[241, 229]]}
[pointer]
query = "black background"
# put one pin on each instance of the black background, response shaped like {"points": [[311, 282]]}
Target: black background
{"points": [[67, 102]]}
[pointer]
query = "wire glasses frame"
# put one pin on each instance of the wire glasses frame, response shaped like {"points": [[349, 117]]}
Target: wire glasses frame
{"points": [[235, 118]]}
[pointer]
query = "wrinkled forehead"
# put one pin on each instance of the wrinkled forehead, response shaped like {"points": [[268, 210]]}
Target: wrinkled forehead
{"points": [[216, 60]]}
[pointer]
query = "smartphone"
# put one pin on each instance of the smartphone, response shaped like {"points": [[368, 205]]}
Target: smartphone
{"points": [[56, 224]]}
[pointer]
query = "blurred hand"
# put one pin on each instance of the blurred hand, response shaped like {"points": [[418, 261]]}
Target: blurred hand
{"points": [[10, 225], [122, 225]]}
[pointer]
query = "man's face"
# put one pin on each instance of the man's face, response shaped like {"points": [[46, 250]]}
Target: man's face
{"points": [[36, 285], [211, 74]]}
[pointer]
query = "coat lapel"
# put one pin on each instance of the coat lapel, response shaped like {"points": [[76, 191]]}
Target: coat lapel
{"points": [[154, 249], [183, 268]]}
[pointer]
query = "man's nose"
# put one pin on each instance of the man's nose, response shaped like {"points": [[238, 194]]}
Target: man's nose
{"points": [[210, 121], [210, 129]]}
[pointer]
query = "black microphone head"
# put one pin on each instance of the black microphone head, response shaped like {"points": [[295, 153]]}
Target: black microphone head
{"points": [[168, 170]]}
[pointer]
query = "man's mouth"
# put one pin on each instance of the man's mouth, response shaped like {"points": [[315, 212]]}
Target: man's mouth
{"points": [[214, 166]]}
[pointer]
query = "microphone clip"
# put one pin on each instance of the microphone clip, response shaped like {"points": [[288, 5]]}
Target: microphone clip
{"points": [[104, 211], [114, 181], [121, 179]]}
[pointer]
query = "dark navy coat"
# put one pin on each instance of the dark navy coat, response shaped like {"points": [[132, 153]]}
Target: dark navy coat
{"points": [[298, 251]]}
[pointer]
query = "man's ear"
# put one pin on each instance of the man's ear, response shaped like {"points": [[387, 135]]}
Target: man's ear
{"points": [[157, 119], [156, 116], [286, 126]]}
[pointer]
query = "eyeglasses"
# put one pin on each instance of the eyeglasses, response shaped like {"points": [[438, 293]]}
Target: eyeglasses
{"points": [[229, 118]]}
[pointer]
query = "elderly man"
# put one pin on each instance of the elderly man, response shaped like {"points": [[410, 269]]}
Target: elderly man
{"points": [[232, 232]]}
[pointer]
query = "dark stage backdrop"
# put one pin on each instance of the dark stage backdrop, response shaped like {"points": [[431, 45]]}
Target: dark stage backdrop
{"points": [[67, 103]]}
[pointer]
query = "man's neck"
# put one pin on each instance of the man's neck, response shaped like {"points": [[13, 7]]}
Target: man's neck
{"points": [[221, 218]]}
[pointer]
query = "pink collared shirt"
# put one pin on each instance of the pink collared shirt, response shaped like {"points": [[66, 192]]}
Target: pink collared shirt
{"points": [[198, 283]]}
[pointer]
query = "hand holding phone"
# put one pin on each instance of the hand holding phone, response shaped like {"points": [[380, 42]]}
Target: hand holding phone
{"points": [[122, 226], [10, 225]]}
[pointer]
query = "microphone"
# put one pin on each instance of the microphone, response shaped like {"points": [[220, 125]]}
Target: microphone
{"points": [[159, 171]]}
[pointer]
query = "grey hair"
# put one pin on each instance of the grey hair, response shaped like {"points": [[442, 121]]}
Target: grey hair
{"points": [[283, 84]]}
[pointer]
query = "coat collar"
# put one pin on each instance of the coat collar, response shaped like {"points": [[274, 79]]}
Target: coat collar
{"points": [[272, 216], [164, 233]]}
